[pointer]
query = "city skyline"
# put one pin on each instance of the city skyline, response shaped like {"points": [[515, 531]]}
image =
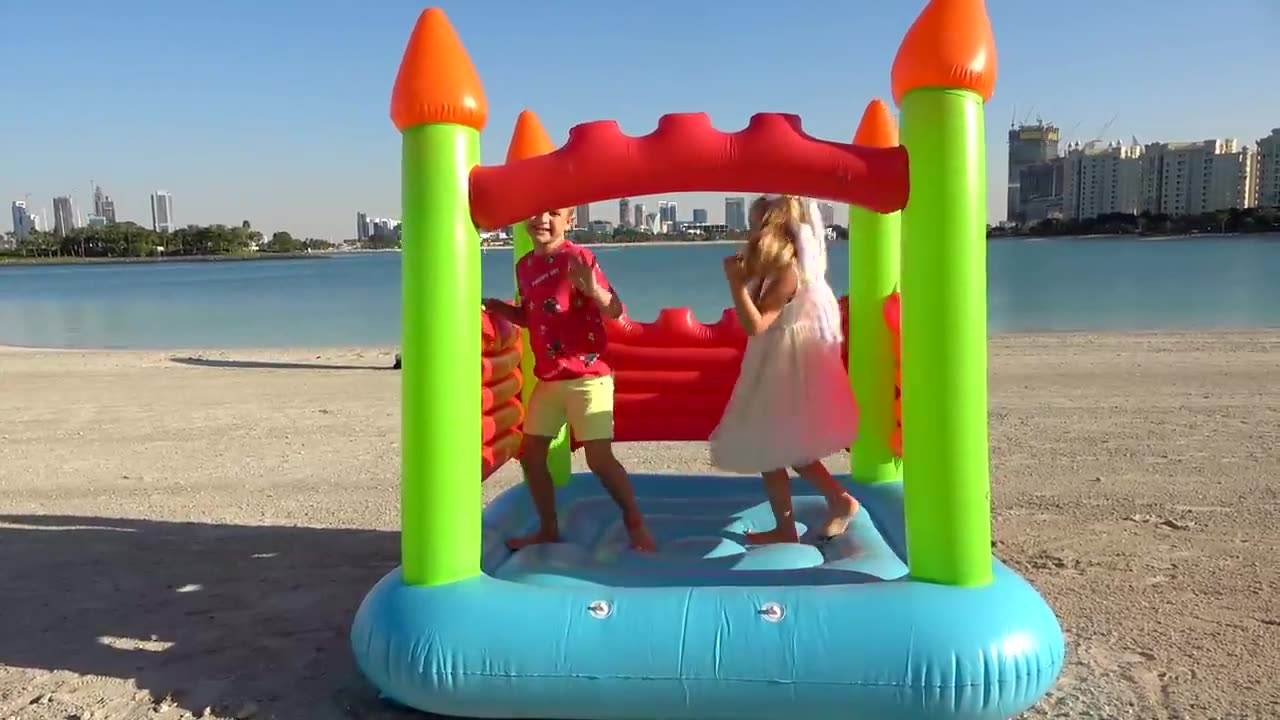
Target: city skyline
{"points": [[307, 164], [29, 216], [1085, 180]]}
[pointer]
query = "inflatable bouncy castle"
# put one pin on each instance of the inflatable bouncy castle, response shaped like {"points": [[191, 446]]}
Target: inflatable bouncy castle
{"points": [[905, 616]]}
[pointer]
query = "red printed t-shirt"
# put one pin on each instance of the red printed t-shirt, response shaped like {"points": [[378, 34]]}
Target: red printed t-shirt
{"points": [[566, 328]]}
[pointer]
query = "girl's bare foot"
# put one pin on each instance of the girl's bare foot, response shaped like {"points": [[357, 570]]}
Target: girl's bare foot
{"points": [[543, 535], [840, 512], [776, 535]]}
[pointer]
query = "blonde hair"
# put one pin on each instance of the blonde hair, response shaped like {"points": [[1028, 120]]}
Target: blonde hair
{"points": [[771, 245]]}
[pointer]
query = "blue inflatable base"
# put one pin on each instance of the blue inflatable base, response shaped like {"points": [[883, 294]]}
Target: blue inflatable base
{"points": [[706, 628]]}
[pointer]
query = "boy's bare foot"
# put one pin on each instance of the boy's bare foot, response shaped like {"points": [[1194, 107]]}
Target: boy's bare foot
{"points": [[535, 538], [641, 540], [776, 535], [840, 513]]}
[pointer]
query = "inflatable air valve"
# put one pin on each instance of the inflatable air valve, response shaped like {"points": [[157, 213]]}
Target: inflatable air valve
{"points": [[944, 71], [439, 107]]}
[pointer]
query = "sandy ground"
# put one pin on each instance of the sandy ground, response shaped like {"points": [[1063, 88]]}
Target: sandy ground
{"points": [[190, 533]]}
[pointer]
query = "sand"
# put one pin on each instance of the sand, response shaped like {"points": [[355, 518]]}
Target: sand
{"points": [[190, 533]]}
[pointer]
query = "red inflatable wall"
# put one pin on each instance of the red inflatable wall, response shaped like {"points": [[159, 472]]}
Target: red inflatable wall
{"points": [[672, 377], [501, 413]]}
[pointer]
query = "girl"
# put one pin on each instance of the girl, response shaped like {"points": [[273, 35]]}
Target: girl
{"points": [[792, 405]]}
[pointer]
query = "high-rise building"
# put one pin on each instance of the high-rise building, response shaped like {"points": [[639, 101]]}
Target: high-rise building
{"points": [[1267, 165], [582, 216], [639, 215], [162, 211], [66, 217], [1189, 178], [24, 223], [384, 229], [666, 216], [699, 216], [1101, 181], [103, 206], [735, 213], [624, 212], [827, 212], [651, 222], [362, 226], [1028, 145], [1040, 188]]}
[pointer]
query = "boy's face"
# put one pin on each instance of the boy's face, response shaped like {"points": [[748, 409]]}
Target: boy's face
{"points": [[547, 228]]}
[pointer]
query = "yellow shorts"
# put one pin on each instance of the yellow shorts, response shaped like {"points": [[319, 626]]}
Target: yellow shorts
{"points": [[586, 403]]}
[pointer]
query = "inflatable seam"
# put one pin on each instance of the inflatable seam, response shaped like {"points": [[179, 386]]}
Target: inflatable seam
{"points": [[1036, 670]]}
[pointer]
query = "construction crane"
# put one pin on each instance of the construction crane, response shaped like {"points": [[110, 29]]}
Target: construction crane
{"points": [[1026, 117], [1070, 134], [1101, 133]]}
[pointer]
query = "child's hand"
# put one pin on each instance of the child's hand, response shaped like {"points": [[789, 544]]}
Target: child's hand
{"points": [[735, 271], [583, 277]]}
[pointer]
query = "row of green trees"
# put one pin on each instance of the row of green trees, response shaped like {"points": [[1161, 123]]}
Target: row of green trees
{"points": [[1247, 220], [130, 240]]}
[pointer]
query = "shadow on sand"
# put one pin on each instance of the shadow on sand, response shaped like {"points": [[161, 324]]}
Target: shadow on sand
{"points": [[207, 615], [270, 365]]}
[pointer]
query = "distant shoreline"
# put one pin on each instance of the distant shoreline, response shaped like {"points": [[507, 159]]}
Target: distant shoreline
{"points": [[1207, 334], [238, 257], [653, 243], [15, 260], [1267, 236]]}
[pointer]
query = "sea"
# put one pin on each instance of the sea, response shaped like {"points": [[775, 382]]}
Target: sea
{"points": [[353, 299]]}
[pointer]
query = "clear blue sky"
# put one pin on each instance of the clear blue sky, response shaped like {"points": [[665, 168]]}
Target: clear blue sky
{"points": [[276, 110]]}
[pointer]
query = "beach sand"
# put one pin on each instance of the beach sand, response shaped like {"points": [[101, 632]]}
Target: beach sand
{"points": [[182, 531]]}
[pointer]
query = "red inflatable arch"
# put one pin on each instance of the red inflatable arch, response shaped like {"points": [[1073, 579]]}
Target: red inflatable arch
{"points": [[672, 376], [686, 154]]}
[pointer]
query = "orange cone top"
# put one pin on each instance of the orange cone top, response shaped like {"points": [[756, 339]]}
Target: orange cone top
{"points": [[949, 46], [437, 82], [877, 128], [529, 139]]}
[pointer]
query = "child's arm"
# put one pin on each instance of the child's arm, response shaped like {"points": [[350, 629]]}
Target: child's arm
{"points": [[590, 281], [756, 316], [513, 314], [607, 300]]}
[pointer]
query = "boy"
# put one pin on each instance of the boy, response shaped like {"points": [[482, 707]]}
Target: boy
{"points": [[564, 298]]}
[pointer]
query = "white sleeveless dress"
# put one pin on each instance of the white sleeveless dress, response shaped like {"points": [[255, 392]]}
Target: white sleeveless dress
{"points": [[792, 403]]}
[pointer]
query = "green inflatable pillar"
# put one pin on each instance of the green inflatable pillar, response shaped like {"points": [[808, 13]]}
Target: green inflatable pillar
{"points": [[873, 277], [530, 139], [944, 72], [438, 105]]}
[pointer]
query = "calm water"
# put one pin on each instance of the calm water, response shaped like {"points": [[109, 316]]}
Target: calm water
{"points": [[354, 299]]}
